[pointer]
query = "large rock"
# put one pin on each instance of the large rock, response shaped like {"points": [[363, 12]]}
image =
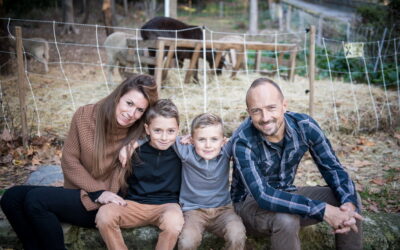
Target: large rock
{"points": [[381, 231]]}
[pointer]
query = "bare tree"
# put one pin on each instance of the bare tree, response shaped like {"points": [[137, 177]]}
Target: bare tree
{"points": [[126, 11], [253, 23], [68, 17], [108, 16], [151, 8], [87, 5], [173, 8], [5, 66]]}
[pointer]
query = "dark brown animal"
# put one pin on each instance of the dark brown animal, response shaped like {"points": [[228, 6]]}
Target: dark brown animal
{"points": [[169, 27]]}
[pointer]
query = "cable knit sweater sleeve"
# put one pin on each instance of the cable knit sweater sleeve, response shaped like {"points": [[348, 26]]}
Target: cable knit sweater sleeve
{"points": [[77, 156], [76, 175]]}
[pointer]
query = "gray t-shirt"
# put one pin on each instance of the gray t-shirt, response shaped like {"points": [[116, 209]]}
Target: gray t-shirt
{"points": [[205, 184]]}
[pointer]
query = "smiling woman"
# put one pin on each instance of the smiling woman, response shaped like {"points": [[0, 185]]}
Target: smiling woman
{"points": [[92, 174]]}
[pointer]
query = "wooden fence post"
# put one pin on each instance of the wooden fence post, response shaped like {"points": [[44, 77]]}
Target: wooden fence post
{"points": [[311, 69], [21, 85]]}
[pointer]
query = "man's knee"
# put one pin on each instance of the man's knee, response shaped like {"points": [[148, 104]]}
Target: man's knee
{"points": [[108, 215], [286, 222], [172, 221]]}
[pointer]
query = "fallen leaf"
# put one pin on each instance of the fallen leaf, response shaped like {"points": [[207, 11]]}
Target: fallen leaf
{"points": [[361, 164], [397, 136], [6, 135], [378, 181], [373, 207], [6, 159], [19, 162], [359, 188], [35, 161], [38, 141]]}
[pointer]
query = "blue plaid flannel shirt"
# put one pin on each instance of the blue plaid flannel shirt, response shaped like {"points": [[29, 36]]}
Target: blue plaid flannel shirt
{"points": [[268, 173]]}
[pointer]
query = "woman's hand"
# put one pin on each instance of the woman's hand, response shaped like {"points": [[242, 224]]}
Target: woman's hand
{"points": [[126, 152], [109, 197]]}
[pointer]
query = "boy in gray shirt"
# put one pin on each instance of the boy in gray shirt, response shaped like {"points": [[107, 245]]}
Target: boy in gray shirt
{"points": [[204, 195]]}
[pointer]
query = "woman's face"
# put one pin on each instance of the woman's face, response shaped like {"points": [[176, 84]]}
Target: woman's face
{"points": [[130, 108]]}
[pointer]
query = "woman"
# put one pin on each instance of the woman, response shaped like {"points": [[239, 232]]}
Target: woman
{"points": [[92, 173]]}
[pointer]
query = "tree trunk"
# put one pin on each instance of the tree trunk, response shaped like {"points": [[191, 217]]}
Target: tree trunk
{"points": [[151, 8], [5, 65], [107, 14], [88, 6], [172, 8], [126, 11], [68, 17], [253, 23]]}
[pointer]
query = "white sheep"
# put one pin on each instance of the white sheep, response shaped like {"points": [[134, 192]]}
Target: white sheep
{"points": [[37, 48], [117, 53]]}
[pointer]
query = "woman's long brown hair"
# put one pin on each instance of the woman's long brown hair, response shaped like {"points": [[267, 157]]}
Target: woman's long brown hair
{"points": [[106, 123]]}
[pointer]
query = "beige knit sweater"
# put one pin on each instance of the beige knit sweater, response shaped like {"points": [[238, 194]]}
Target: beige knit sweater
{"points": [[76, 161]]}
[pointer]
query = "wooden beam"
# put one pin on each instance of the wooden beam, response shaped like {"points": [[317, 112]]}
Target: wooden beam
{"points": [[193, 62], [292, 60], [311, 69], [21, 86], [159, 64]]}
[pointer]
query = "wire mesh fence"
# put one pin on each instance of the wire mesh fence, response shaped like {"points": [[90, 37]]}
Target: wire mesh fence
{"points": [[84, 68]]}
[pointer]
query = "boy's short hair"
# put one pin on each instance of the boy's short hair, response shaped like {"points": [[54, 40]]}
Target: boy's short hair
{"points": [[205, 120], [163, 107]]}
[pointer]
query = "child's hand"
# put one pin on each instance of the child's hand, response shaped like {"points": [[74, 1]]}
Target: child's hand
{"points": [[126, 152], [186, 139]]}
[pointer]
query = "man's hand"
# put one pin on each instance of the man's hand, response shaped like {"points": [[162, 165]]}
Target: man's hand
{"points": [[335, 217], [342, 219], [126, 152], [109, 197], [350, 224]]}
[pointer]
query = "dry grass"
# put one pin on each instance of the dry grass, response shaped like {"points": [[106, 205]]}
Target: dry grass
{"points": [[225, 96]]}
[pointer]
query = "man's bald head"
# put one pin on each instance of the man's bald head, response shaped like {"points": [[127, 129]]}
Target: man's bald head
{"points": [[262, 81]]}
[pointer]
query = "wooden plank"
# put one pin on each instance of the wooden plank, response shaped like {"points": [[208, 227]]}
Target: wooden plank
{"points": [[311, 69], [167, 64], [193, 62], [258, 61], [191, 43], [21, 86], [240, 59], [159, 64], [292, 67]]}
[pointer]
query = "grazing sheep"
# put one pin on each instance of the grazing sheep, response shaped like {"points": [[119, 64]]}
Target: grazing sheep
{"points": [[117, 53], [37, 48]]}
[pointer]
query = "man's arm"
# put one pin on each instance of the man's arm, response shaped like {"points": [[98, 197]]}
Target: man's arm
{"points": [[267, 197], [329, 165]]}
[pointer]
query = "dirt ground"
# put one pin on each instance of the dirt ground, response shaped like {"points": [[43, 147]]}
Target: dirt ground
{"points": [[366, 140]]}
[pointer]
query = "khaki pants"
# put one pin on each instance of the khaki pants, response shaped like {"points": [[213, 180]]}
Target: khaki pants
{"points": [[284, 228], [222, 221], [111, 217]]}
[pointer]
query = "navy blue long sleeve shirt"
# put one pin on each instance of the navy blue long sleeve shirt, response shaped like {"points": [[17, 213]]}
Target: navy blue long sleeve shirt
{"points": [[156, 178]]}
